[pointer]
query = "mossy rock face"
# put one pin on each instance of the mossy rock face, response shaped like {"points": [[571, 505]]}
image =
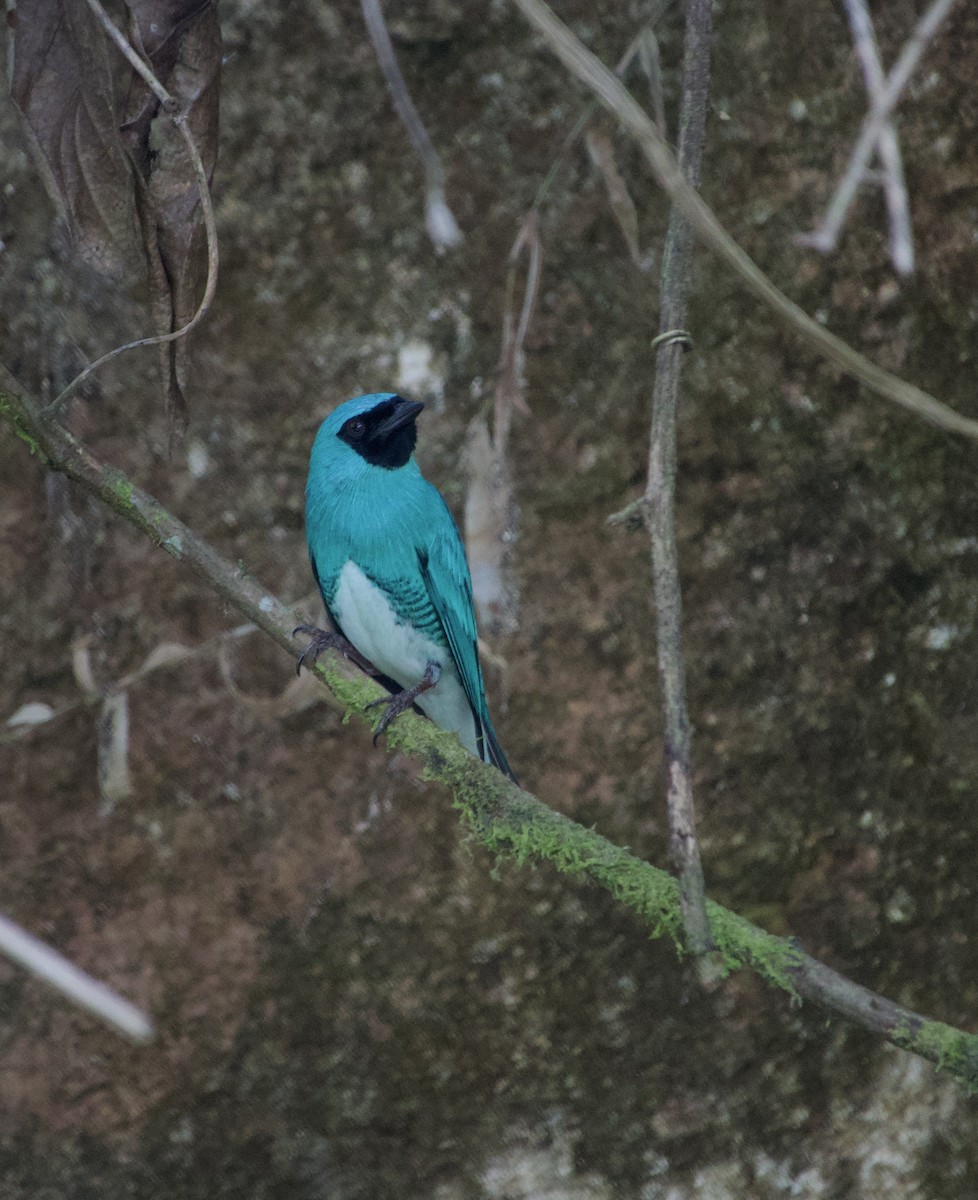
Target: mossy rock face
{"points": [[355, 998]]}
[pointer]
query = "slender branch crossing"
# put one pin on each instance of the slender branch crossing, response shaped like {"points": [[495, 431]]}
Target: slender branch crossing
{"points": [[609, 90]]}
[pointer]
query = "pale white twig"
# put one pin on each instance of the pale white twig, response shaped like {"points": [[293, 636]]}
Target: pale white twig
{"points": [[887, 147], [824, 238], [439, 221], [607, 87], [72, 982], [24, 722]]}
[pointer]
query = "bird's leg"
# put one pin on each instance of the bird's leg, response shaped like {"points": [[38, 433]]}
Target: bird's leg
{"points": [[403, 700], [327, 640]]}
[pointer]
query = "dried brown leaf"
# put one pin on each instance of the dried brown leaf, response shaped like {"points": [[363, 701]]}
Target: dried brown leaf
{"points": [[86, 143], [602, 154], [62, 83], [182, 41]]}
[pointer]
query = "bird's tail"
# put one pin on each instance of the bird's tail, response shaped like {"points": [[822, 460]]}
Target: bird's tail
{"points": [[492, 751]]}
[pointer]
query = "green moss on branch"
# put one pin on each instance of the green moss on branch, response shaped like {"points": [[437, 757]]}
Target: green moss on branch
{"points": [[508, 821]]}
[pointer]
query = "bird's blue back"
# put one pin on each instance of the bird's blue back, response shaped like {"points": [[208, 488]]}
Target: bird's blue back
{"points": [[397, 528]]}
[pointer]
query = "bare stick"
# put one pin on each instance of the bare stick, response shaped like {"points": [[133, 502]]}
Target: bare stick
{"points": [[825, 237], [648, 54], [887, 146], [633, 50], [95, 695], [509, 388], [500, 815], [179, 119], [439, 221], [71, 981], [595, 75], [660, 491]]}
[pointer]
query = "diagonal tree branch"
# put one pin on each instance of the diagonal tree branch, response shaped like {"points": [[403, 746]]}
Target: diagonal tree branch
{"points": [[504, 818], [609, 90]]}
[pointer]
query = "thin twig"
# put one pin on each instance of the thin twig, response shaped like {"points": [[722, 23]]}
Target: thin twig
{"points": [[887, 147], [595, 75], [660, 492], [528, 240], [179, 119], [95, 695], [71, 981], [509, 386], [441, 224], [649, 57], [633, 50], [824, 238], [502, 816]]}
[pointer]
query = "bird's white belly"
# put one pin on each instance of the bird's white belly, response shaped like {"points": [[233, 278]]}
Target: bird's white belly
{"points": [[399, 650]]}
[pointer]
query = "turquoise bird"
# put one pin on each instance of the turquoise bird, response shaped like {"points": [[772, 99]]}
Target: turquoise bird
{"points": [[389, 562]]}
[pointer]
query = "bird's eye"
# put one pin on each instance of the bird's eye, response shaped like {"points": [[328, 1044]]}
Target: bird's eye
{"points": [[355, 428]]}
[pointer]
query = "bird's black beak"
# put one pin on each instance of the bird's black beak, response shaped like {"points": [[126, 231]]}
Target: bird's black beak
{"points": [[405, 411]]}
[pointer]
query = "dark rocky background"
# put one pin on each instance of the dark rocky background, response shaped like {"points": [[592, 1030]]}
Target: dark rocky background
{"points": [[353, 1001]]}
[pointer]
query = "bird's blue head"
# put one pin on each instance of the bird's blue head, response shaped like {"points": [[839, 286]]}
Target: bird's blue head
{"points": [[377, 430]]}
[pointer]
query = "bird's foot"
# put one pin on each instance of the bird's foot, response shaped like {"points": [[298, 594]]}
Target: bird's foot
{"points": [[323, 639], [403, 700]]}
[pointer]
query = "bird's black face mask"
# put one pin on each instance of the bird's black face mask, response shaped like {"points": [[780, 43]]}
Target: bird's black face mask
{"points": [[386, 435]]}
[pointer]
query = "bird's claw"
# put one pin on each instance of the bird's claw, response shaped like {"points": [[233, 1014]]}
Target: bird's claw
{"points": [[323, 639], [400, 703], [404, 700]]}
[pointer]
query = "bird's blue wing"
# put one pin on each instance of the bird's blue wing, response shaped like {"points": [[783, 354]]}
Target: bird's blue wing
{"points": [[446, 576]]}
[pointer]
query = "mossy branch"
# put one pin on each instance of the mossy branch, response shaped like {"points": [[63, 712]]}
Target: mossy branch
{"points": [[507, 820]]}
